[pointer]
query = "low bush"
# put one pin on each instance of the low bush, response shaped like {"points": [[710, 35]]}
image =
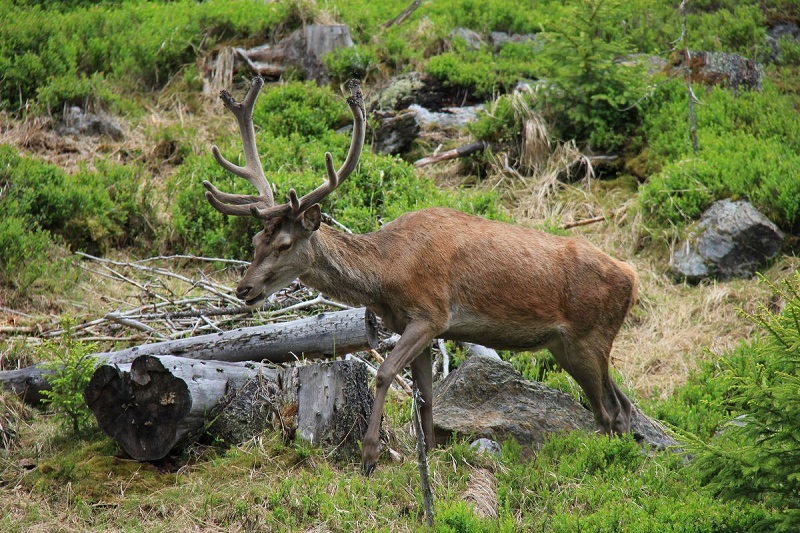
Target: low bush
{"points": [[755, 457], [748, 149], [71, 366]]}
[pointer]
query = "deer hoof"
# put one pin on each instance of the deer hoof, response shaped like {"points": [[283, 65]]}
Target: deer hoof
{"points": [[368, 468]]}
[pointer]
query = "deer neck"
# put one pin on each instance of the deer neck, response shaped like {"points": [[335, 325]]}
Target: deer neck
{"points": [[344, 266]]}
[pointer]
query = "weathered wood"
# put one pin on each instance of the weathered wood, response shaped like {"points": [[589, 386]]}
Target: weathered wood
{"points": [[461, 151], [149, 406], [156, 404], [325, 335]]}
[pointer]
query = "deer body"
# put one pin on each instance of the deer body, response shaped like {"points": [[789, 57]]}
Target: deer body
{"points": [[440, 273]]}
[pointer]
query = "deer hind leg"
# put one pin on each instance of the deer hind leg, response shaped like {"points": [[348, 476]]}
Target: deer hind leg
{"points": [[587, 359], [422, 373], [413, 341]]}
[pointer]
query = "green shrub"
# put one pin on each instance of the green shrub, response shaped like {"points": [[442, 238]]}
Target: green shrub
{"points": [[127, 43], [70, 365], [482, 72], [591, 96], [756, 456], [353, 62], [25, 254], [299, 108], [89, 210], [579, 482], [749, 148]]}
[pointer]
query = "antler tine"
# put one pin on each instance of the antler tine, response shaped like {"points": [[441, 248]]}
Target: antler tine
{"points": [[335, 178], [252, 171]]}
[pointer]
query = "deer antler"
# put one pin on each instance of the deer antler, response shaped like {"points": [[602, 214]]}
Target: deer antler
{"points": [[335, 178], [263, 206], [241, 204]]}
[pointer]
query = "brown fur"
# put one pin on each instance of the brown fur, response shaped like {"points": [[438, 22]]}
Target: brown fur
{"points": [[442, 273]]}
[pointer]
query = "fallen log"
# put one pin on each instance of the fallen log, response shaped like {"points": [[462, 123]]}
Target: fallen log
{"points": [[158, 404], [322, 336], [461, 151]]}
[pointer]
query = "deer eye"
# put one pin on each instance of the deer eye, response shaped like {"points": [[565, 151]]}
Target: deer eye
{"points": [[283, 247]]}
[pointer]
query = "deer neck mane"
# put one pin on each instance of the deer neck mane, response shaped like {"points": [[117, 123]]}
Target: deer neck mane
{"points": [[344, 266]]}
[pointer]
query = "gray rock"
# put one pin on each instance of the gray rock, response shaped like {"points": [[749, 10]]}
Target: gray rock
{"points": [[499, 38], [448, 117], [395, 132], [716, 68], [731, 240], [78, 122], [473, 39], [487, 446], [487, 398], [785, 30]]}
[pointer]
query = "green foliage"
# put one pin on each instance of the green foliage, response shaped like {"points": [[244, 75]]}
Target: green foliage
{"points": [[126, 43], [756, 456], [71, 366], [89, 210], [749, 148], [481, 71], [353, 62], [25, 253], [591, 96], [299, 108], [580, 482]]}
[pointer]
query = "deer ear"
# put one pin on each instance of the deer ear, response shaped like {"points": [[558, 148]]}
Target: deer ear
{"points": [[311, 218]]}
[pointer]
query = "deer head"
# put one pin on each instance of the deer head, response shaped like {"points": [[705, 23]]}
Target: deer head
{"points": [[282, 247]]}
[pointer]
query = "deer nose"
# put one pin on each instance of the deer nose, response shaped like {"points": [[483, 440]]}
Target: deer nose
{"points": [[242, 291]]}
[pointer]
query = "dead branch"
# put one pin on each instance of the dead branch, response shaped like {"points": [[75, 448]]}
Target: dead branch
{"points": [[399, 19], [584, 222], [461, 151]]}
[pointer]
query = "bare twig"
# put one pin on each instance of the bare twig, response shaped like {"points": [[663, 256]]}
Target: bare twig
{"points": [[584, 222], [422, 459], [445, 358]]}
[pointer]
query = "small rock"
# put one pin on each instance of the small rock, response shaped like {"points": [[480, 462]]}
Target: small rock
{"points": [[473, 39], [487, 446], [78, 122], [731, 240]]}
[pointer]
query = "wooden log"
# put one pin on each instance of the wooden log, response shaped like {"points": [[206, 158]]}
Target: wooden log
{"points": [[461, 151], [150, 405], [325, 335], [322, 336], [157, 404]]}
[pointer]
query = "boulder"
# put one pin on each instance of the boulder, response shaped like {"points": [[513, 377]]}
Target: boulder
{"points": [[787, 31], [717, 68], [78, 122], [473, 39], [395, 131], [499, 38], [487, 398], [402, 91], [731, 240]]}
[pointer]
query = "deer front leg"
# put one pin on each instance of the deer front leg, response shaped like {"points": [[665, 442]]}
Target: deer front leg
{"points": [[413, 341]]}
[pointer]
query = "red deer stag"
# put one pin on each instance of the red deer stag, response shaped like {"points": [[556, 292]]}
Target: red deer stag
{"points": [[438, 273]]}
